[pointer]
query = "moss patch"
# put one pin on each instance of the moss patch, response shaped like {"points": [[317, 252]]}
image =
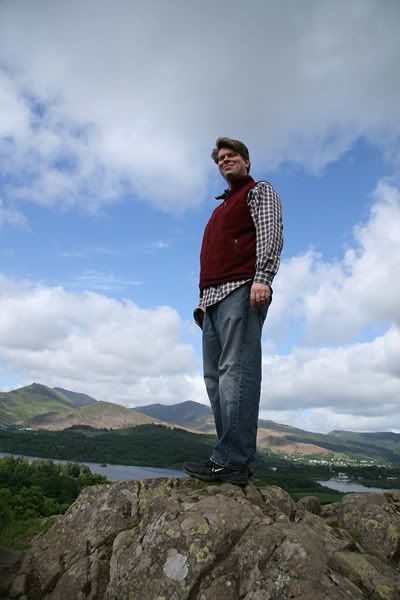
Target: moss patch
{"points": [[18, 535]]}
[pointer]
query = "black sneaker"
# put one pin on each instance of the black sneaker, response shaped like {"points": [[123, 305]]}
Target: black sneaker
{"points": [[211, 471]]}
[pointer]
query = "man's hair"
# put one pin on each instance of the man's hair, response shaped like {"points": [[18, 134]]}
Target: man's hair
{"points": [[235, 145]]}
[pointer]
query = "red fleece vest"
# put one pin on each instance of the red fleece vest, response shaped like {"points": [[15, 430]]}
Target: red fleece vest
{"points": [[228, 251]]}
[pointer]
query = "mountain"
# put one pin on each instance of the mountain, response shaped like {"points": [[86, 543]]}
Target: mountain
{"points": [[189, 414], [194, 415], [100, 415], [27, 402], [376, 436], [198, 417], [75, 397], [378, 442], [383, 446], [272, 426], [37, 406]]}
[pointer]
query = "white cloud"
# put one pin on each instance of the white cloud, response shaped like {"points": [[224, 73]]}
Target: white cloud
{"points": [[105, 99], [50, 334], [14, 114], [164, 390], [119, 352], [10, 216], [337, 301], [359, 379], [324, 420], [102, 282], [356, 385]]}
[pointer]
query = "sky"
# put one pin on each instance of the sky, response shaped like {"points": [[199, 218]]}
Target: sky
{"points": [[108, 114]]}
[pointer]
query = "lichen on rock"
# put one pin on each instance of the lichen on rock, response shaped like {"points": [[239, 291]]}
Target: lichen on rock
{"points": [[172, 539], [175, 566]]}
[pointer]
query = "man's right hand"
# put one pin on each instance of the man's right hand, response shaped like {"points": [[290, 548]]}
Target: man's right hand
{"points": [[260, 295]]}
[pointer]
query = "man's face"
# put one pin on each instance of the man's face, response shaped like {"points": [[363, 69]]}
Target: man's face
{"points": [[231, 164]]}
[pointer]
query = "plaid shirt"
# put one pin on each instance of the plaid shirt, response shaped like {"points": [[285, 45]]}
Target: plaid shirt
{"points": [[266, 212]]}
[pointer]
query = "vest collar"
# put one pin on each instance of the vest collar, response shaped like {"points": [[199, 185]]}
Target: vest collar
{"points": [[236, 185]]}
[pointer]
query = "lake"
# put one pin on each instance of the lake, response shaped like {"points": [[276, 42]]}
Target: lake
{"points": [[128, 472], [113, 472], [349, 486]]}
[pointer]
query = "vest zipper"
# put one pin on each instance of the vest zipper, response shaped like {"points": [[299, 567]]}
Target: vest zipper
{"points": [[237, 252]]}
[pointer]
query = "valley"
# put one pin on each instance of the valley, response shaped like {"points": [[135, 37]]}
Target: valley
{"points": [[55, 423]]}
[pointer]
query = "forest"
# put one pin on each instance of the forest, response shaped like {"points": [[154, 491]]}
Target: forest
{"points": [[155, 446], [31, 493]]}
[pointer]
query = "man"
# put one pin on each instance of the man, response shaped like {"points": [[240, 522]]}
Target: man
{"points": [[239, 258]]}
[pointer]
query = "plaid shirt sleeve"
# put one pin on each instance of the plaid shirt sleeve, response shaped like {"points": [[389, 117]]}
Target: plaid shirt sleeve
{"points": [[265, 209]]}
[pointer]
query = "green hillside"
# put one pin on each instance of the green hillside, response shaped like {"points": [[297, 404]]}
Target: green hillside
{"points": [[99, 415], [385, 437], [153, 446], [76, 398], [29, 401], [385, 442], [39, 406], [160, 446], [147, 445], [382, 447], [360, 445]]}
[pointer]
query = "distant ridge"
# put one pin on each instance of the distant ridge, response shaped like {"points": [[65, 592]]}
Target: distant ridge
{"points": [[199, 417], [26, 402], [387, 436], [286, 439], [38, 406], [98, 415], [188, 414], [75, 397]]}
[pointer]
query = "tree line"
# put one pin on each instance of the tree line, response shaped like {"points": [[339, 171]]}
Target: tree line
{"points": [[31, 492]]}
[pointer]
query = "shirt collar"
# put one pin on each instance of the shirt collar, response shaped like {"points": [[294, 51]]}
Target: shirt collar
{"points": [[238, 183]]}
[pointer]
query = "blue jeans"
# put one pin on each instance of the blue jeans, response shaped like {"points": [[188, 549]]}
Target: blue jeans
{"points": [[232, 374]]}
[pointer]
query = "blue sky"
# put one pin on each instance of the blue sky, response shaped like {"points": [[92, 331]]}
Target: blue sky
{"points": [[106, 183]]}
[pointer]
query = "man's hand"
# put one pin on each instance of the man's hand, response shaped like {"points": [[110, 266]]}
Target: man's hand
{"points": [[260, 295]]}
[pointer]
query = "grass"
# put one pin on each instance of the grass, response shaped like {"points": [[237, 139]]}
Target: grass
{"points": [[323, 497], [18, 535]]}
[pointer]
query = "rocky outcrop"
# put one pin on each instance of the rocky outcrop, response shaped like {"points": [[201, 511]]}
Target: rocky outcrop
{"points": [[310, 503], [374, 522], [177, 539]]}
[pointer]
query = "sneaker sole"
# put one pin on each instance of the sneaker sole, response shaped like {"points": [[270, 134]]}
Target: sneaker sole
{"points": [[239, 480]]}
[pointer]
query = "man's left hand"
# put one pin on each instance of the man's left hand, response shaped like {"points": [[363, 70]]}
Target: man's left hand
{"points": [[260, 295]]}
